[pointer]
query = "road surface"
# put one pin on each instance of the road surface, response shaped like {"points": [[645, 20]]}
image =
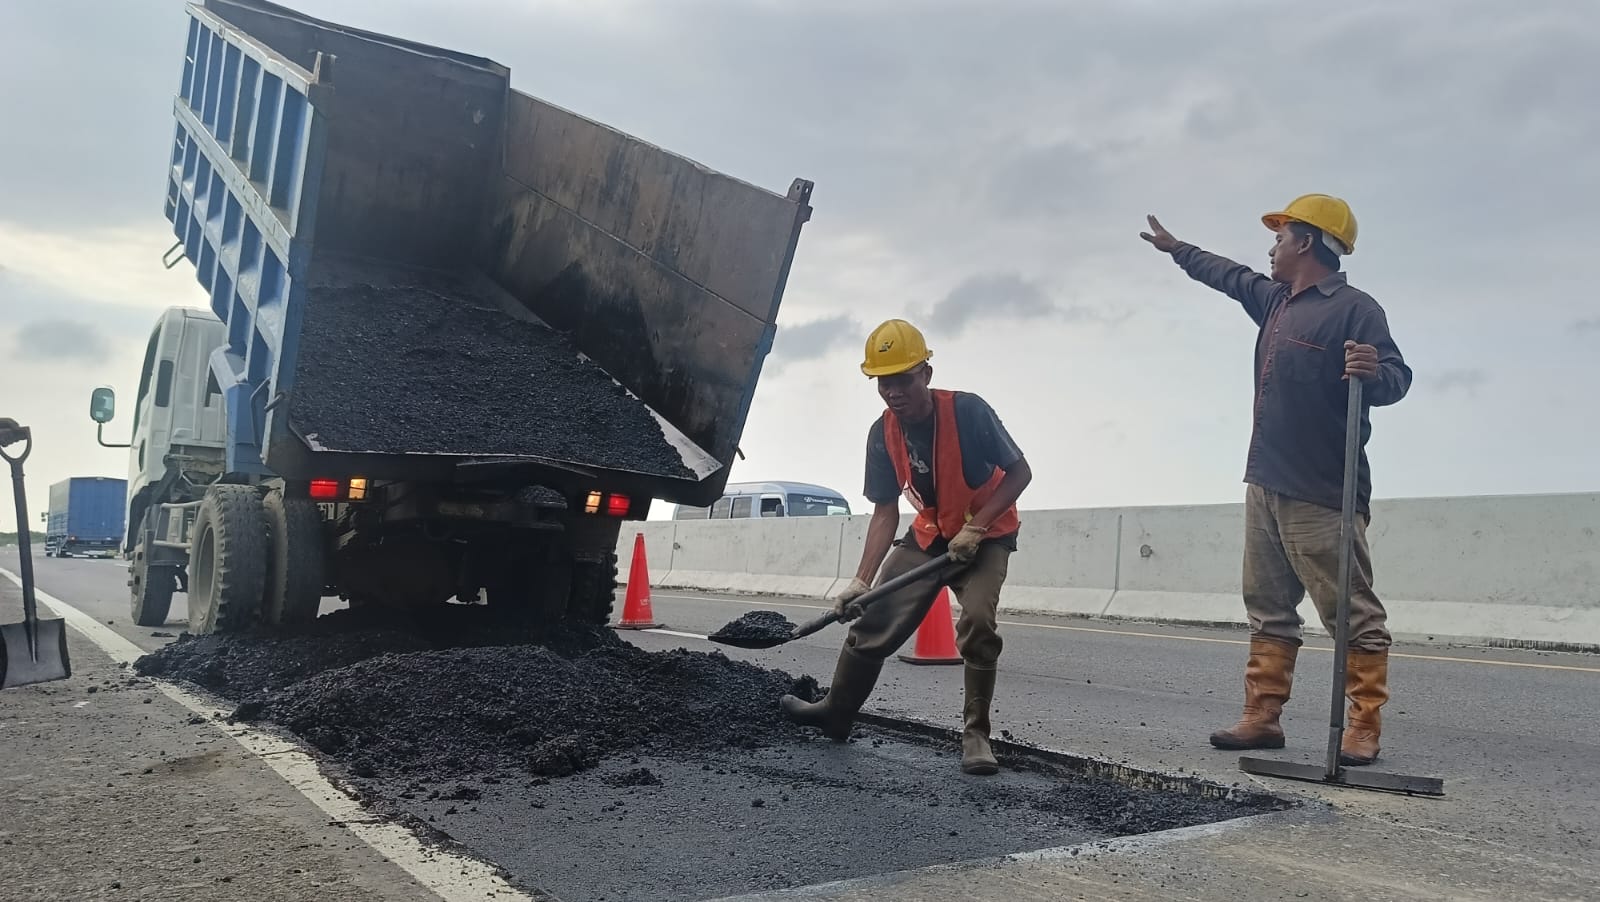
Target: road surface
{"points": [[1510, 732]]}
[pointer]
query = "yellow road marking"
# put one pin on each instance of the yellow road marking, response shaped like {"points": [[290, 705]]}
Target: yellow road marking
{"points": [[1143, 635]]}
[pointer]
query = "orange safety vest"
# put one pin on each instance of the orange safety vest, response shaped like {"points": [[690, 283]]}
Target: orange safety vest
{"points": [[956, 501]]}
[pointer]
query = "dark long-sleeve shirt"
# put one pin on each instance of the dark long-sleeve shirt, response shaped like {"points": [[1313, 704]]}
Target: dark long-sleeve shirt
{"points": [[1297, 437]]}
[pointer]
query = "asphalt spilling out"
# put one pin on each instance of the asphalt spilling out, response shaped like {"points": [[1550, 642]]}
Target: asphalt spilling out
{"points": [[433, 368], [453, 692]]}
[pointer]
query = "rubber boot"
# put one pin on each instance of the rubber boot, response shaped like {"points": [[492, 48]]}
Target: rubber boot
{"points": [[1366, 682], [976, 756], [1268, 676], [853, 679]]}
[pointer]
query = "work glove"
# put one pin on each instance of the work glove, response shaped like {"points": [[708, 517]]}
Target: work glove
{"points": [[10, 432], [964, 547], [844, 604]]}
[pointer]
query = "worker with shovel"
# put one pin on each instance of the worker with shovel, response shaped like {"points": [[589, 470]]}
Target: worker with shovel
{"points": [[948, 454], [1316, 332]]}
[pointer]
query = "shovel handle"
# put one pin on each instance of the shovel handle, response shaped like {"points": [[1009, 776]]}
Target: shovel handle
{"points": [[1347, 541], [887, 587], [30, 610]]}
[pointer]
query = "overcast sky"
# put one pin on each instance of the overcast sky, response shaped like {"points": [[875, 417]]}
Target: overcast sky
{"points": [[982, 169]]}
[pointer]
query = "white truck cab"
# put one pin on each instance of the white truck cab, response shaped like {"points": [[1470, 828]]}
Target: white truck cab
{"points": [[178, 409]]}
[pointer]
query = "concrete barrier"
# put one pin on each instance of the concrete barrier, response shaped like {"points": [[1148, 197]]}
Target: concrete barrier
{"points": [[1513, 569]]}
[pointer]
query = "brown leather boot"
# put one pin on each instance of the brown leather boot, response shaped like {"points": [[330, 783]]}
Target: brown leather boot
{"points": [[976, 756], [1267, 678], [1366, 682], [853, 679]]}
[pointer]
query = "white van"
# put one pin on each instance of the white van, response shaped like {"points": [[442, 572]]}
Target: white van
{"points": [[769, 499]]}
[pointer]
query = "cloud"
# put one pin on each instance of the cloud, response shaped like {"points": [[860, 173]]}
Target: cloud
{"points": [[60, 339], [815, 339], [1585, 326], [1462, 380], [1006, 296]]}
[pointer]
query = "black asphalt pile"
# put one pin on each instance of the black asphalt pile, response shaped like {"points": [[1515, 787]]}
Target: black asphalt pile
{"points": [[529, 709], [431, 368], [453, 693], [756, 626]]}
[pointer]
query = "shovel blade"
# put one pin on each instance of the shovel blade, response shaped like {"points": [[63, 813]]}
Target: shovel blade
{"points": [[1354, 778], [40, 661]]}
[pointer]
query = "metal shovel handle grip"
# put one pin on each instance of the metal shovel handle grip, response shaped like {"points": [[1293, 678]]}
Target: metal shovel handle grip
{"points": [[16, 459], [887, 587]]}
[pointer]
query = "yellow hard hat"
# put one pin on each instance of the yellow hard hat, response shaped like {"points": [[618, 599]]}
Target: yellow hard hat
{"points": [[896, 346], [1328, 213]]}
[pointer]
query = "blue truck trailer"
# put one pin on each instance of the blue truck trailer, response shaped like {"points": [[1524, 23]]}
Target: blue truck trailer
{"points": [[86, 517], [457, 335]]}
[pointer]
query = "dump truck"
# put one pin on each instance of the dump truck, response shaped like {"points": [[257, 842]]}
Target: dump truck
{"points": [[85, 517], [456, 337]]}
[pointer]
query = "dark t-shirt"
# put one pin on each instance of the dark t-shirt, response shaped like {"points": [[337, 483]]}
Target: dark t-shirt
{"points": [[985, 445]]}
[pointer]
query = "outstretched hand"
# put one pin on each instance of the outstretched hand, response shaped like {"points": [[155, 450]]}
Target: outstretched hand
{"points": [[1159, 236]]}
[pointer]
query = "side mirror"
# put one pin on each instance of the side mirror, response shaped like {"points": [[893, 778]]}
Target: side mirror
{"points": [[102, 405]]}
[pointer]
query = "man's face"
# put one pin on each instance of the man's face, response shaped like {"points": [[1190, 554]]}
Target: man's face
{"points": [[1285, 254], [907, 395]]}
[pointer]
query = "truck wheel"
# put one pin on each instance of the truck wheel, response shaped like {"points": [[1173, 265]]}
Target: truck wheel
{"points": [[594, 589], [228, 560], [294, 560], [152, 589]]}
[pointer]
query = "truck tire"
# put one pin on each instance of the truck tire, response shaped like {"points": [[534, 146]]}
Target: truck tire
{"points": [[594, 590], [294, 560], [152, 588], [227, 560]]}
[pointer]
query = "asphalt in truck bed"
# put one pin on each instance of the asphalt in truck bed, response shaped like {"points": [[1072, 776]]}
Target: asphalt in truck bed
{"points": [[594, 769], [430, 367]]}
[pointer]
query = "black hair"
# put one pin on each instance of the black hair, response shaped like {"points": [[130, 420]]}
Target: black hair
{"points": [[1319, 249]]}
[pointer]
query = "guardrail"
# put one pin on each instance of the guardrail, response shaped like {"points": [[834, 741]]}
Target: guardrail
{"points": [[1518, 570]]}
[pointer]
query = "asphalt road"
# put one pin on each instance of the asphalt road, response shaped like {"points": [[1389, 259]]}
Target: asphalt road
{"points": [[1510, 732]]}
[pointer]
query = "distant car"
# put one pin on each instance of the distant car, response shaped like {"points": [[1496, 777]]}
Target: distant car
{"points": [[742, 500]]}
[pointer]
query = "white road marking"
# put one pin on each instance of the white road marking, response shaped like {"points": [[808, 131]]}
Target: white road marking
{"points": [[451, 876]]}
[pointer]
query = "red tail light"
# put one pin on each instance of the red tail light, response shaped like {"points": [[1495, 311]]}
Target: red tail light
{"points": [[324, 489], [618, 505]]}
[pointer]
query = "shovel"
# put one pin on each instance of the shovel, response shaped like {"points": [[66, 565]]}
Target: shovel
{"points": [[1331, 771], [33, 651], [805, 629]]}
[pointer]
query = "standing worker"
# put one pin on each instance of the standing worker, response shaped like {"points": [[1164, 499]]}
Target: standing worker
{"points": [[947, 453], [1307, 312]]}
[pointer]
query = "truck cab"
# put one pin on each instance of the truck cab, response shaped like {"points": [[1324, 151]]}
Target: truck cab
{"points": [[177, 411]]}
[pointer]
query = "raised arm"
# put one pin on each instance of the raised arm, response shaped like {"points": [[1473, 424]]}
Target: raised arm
{"points": [[1254, 291]]}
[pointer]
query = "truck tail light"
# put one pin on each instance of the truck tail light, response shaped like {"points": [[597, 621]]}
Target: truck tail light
{"points": [[613, 505], [324, 489], [358, 488]]}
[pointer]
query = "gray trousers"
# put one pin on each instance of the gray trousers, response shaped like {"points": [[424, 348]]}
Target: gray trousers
{"points": [[1291, 549], [890, 621]]}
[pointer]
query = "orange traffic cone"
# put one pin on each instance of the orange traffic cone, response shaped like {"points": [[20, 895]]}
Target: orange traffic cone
{"points": [[936, 637], [636, 613]]}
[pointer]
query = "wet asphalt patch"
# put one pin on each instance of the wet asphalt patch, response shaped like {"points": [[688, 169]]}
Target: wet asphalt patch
{"points": [[590, 768], [724, 823]]}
